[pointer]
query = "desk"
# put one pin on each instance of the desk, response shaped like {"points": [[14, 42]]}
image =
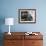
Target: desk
{"points": [[20, 39]]}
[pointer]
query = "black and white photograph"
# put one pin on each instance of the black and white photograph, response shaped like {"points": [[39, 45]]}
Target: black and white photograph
{"points": [[27, 15]]}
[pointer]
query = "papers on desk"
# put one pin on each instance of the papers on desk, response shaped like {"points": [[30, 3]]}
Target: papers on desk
{"points": [[30, 33]]}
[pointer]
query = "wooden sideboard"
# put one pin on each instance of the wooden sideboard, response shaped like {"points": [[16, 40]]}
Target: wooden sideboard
{"points": [[20, 39]]}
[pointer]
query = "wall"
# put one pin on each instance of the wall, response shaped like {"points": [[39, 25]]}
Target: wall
{"points": [[9, 8]]}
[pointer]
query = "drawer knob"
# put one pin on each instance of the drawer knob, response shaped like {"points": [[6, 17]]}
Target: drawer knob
{"points": [[33, 42]]}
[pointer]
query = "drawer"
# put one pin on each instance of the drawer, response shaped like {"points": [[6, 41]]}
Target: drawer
{"points": [[13, 43], [19, 42], [37, 43], [33, 43], [19, 37], [9, 43], [34, 37], [16, 37]]}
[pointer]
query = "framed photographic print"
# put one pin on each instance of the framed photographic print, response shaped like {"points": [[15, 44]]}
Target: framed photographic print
{"points": [[27, 16]]}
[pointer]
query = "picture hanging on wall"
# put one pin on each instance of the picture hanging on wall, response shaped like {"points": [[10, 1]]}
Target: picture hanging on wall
{"points": [[27, 16]]}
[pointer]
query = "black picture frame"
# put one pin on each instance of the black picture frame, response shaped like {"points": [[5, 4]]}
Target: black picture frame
{"points": [[27, 16]]}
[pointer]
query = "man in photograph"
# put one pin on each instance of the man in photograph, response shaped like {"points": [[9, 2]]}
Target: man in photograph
{"points": [[25, 16]]}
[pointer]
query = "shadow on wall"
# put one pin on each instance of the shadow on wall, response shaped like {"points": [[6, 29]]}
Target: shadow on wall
{"points": [[2, 21]]}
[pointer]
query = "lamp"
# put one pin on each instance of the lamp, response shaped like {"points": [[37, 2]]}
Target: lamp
{"points": [[9, 21]]}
